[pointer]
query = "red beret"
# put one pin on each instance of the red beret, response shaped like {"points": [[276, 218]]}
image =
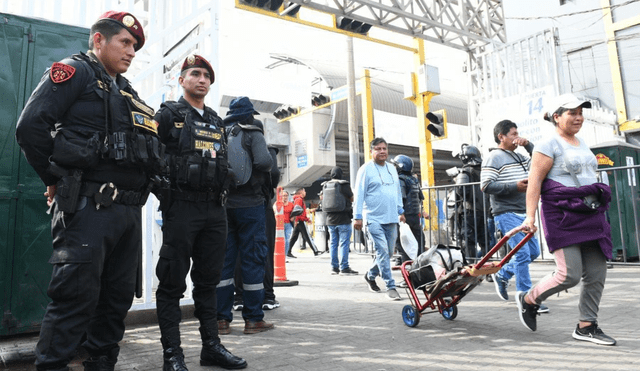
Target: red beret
{"points": [[195, 60], [128, 21]]}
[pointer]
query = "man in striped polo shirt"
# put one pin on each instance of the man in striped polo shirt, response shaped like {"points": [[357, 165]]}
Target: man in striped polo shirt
{"points": [[504, 177]]}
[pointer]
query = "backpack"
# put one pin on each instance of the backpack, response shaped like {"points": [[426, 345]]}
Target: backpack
{"points": [[240, 163], [333, 201]]}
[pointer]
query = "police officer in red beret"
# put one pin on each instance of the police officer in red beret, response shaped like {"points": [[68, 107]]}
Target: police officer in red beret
{"points": [[97, 168], [194, 218]]}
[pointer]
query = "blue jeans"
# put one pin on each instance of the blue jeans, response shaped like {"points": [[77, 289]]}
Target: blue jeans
{"points": [[247, 241], [384, 238], [340, 235], [519, 263], [287, 235]]}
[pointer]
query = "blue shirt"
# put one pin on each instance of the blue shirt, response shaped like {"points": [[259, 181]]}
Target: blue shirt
{"points": [[377, 194]]}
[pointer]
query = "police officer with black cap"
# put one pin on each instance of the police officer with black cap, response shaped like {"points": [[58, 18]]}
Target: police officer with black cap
{"points": [[97, 167], [194, 217]]}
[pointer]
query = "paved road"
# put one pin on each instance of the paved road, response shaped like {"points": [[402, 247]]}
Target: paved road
{"points": [[332, 322]]}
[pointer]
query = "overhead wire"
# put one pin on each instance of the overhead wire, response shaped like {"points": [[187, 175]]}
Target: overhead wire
{"points": [[611, 7]]}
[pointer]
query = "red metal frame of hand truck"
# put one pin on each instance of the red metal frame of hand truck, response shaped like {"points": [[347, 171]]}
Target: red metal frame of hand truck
{"points": [[476, 273]]}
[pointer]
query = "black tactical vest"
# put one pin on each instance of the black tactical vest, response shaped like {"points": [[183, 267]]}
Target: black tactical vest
{"points": [[472, 195], [200, 161], [130, 135], [412, 189]]}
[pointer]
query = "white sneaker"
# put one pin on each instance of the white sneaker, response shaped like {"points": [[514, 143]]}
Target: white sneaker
{"points": [[393, 295]]}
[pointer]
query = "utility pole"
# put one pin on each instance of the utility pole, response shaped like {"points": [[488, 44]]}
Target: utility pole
{"points": [[354, 151]]}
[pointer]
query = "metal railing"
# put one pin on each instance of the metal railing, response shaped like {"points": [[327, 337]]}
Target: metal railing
{"points": [[473, 231], [460, 216]]}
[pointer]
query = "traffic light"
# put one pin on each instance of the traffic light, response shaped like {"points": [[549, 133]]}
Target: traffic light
{"points": [[318, 100], [285, 111], [438, 123], [272, 5], [351, 25]]}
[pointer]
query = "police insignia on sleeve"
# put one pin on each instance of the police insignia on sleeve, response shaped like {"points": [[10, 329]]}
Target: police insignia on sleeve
{"points": [[61, 72]]}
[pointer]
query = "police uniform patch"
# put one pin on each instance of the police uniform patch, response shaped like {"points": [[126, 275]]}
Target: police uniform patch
{"points": [[145, 122], [61, 72]]}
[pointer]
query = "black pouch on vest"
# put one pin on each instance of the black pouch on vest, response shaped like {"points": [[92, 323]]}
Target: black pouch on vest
{"points": [[211, 176], [194, 171], [68, 191], [73, 150]]}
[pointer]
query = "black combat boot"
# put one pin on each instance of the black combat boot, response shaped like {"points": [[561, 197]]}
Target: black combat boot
{"points": [[102, 361], [172, 353], [215, 354]]}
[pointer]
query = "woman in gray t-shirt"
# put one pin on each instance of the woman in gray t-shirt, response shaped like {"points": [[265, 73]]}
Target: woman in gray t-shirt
{"points": [[579, 157], [576, 260]]}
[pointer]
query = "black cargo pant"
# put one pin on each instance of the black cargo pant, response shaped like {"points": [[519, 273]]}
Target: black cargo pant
{"points": [[191, 231], [95, 257]]}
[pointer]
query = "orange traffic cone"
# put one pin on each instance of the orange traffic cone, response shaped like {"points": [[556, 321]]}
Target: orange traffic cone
{"points": [[279, 258]]}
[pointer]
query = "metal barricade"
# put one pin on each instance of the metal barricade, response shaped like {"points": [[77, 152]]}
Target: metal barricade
{"points": [[446, 220]]}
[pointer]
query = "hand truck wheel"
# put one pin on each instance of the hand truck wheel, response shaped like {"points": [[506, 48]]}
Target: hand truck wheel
{"points": [[410, 316], [450, 313]]}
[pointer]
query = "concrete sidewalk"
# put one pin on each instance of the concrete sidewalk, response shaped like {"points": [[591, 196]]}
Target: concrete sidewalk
{"points": [[332, 322]]}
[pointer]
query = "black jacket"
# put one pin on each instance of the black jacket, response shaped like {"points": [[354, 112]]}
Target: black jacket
{"points": [[77, 106]]}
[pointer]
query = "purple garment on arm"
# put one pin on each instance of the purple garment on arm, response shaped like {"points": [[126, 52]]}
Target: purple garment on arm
{"points": [[568, 221]]}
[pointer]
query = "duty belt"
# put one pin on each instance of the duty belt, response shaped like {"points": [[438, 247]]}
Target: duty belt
{"points": [[104, 194], [195, 196]]}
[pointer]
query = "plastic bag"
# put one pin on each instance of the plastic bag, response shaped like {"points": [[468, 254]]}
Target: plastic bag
{"points": [[408, 241]]}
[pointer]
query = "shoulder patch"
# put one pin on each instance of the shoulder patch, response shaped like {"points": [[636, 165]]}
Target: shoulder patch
{"points": [[61, 72]]}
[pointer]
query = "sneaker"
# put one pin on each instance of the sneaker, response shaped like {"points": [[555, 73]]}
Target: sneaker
{"points": [[335, 270], [270, 304], [251, 327], [402, 285], [543, 309], [594, 334], [501, 286], [393, 295], [372, 283], [528, 312], [238, 305], [348, 272], [223, 327]]}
